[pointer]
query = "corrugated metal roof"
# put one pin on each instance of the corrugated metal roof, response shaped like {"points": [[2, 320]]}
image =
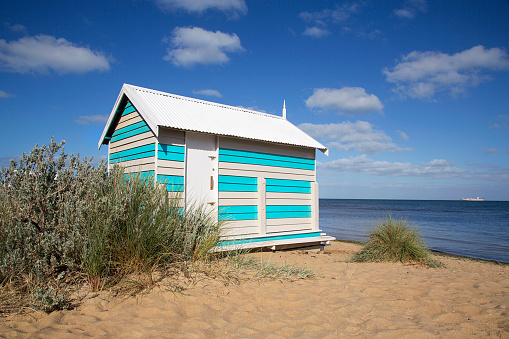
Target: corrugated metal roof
{"points": [[174, 111]]}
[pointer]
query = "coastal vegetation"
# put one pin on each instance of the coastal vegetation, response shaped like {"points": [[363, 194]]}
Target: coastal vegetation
{"points": [[64, 222], [66, 225], [395, 240]]}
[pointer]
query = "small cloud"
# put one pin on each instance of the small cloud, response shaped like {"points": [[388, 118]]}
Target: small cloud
{"points": [[316, 32], [347, 136], [437, 168], [411, 8], [494, 126], [233, 8], [5, 95], [423, 74], [402, 135], [346, 100], [194, 45], [208, 92], [336, 15], [44, 53], [490, 151], [92, 119], [17, 28], [507, 151]]}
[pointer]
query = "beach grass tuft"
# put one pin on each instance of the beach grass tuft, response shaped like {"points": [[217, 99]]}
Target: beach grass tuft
{"points": [[395, 240]]}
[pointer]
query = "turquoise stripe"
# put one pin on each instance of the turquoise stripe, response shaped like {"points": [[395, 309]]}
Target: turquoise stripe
{"points": [[128, 110], [285, 189], [174, 188], [247, 212], [232, 179], [174, 183], [288, 208], [140, 152], [171, 156], [264, 162], [231, 183], [270, 238], [173, 179], [283, 215], [265, 156], [142, 175], [131, 133], [133, 157], [134, 150], [289, 183], [171, 148], [240, 216], [171, 152], [129, 128], [225, 187], [238, 209]]}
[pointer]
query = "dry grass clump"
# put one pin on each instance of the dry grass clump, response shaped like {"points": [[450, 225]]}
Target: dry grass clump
{"points": [[396, 241]]}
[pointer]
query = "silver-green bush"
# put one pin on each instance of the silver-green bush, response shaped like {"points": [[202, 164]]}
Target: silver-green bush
{"points": [[63, 220]]}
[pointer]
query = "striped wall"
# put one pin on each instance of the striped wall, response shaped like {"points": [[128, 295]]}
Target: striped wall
{"points": [[238, 203], [171, 161], [285, 177], [132, 144]]}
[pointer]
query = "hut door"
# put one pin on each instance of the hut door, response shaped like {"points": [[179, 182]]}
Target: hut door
{"points": [[201, 169]]}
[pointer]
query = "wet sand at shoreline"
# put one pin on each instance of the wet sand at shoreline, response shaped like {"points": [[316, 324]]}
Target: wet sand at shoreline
{"points": [[465, 299]]}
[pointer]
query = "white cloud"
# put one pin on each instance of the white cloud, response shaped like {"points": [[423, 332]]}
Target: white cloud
{"points": [[437, 168], [402, 135], [42, 53], [232, 7], [490, 151], [347, 136], [318, 21], [316, 32], [346, 100], [194, 45], [411, 8], [17, 28], [5, 95], [504, 122], [208, 92], [92, 119], [423, 74], [336, 15]]}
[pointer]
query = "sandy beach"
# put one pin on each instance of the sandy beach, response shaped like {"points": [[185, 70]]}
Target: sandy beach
{"points": [[383, 300]]}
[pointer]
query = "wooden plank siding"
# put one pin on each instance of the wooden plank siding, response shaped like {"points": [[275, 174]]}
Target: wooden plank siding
{"points": [[287, 173], [171, 159], [132, 143], [238, 204]]}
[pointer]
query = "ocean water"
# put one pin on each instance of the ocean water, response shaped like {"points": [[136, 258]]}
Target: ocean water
{"points": [[472, 229]]}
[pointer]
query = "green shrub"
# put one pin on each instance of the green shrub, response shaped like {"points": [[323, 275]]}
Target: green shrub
{"points": [[395, 241], [62, 220]]}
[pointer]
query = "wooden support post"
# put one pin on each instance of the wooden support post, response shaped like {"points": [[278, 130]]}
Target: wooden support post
{"points": [[262, 227], [314, 206]]}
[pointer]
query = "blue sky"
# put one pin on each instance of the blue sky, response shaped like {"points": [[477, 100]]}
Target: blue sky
{"points": [[410, 96]]}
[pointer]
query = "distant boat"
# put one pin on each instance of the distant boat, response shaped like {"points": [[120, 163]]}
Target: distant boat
{"points": [[472, 199]]}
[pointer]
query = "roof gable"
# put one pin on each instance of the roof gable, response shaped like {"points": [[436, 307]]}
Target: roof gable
{"points": [[188, 114]]}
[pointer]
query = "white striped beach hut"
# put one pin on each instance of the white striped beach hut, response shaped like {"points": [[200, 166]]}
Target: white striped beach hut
{"points": [[254, 169]]}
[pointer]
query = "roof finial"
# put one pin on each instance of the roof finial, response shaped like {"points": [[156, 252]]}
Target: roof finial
{"points": [[284, 109]]}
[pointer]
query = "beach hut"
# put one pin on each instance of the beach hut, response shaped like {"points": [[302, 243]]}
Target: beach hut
{"points": [[254, 169]]}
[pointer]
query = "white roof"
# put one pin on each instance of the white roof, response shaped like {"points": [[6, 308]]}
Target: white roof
{"points": [[188, 114]]}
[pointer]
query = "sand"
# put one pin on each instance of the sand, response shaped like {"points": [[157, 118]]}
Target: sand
{"points": [[381, 300]]}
